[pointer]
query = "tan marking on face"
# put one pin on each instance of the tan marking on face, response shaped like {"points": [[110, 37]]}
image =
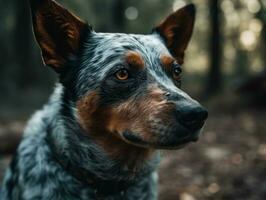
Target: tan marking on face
{"points": [[134, 114], [134, 59], [94, 118], [86, 108], [167, 62]]}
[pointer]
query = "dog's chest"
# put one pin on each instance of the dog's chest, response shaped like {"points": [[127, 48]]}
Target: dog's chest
{"points": [[36, 174]]}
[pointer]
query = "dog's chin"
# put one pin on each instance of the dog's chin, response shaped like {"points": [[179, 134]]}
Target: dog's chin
{"points": [[173, 143]]}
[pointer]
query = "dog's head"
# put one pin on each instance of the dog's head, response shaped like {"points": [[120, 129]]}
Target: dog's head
{"points": [[123, 85]]}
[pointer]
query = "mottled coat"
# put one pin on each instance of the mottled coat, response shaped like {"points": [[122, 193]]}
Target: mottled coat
{"points": [[117, 102], [35, 174]]}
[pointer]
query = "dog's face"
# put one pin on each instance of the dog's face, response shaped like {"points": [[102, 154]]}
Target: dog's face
{"points": [[123, 85]]}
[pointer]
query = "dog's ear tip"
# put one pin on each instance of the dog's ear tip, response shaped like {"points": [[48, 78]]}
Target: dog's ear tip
{"points": [[190, 9], [177, 28]]}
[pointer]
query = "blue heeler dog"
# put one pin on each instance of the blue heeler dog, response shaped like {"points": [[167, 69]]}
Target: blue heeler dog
{"points": [[117, 102]]}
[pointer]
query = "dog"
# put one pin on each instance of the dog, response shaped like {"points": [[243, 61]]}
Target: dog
{"points": [[118, 101]]}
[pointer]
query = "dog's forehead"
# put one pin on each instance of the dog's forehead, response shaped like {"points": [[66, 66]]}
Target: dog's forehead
{"points": [[104, 51], [156, 55], [149, 46]]}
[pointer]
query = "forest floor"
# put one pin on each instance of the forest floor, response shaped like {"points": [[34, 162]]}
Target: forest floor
{"points": [[227, 163]]}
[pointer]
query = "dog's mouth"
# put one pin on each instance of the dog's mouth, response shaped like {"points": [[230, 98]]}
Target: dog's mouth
{"points": [[165, 143]]}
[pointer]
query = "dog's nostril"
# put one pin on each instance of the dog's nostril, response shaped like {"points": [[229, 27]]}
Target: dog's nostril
{"points": [[167, 94]]}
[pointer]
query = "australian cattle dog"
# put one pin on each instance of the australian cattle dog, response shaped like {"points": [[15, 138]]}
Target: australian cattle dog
{"points": [[117, 102]]}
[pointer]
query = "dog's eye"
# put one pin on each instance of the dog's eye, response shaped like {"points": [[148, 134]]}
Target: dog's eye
{"points": [[177, 70], [122, 74]]}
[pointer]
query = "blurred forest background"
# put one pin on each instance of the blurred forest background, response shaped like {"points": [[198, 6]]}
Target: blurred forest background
{"points": [[225, 68]]}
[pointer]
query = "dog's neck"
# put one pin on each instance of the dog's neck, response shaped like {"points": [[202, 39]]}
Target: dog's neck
{"points": [[105, 158]]}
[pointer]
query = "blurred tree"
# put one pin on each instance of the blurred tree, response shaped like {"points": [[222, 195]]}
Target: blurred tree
{"points": [[214, 82], [22, 45], [241, 61], [4, 60], [5, 48], [262, 16], [118, 15]]}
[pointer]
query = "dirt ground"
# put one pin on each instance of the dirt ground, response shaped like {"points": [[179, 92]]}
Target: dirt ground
{"points": [[228, 163]]}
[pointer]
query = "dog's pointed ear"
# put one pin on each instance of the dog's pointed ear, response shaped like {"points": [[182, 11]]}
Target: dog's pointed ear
{"points": [[57, 31], [177, 29]]}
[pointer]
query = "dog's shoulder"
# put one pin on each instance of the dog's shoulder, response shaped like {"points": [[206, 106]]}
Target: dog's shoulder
{"points": [[40, 120], [34, 173]]}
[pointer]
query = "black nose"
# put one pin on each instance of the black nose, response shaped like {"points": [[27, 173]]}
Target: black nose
{"points": [[192, 116]]}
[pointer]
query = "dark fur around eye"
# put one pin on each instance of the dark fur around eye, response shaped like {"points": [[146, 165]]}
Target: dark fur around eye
{"points": [[176, 69], [113, 89], [176, 74]]}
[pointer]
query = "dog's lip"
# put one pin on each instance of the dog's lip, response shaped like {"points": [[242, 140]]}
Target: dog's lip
{"points": [[132, 138]]}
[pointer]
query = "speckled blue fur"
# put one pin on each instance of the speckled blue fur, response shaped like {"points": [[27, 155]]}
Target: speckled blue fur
{"points": [[35, 174], [57, 130]]}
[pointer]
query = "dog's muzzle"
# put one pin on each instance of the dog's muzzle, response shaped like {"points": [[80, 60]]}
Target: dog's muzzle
{"points": [[184, 126]]}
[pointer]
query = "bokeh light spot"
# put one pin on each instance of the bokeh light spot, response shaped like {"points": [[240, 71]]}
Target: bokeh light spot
{"points": [[178, 4], [248, 39], [253, 6], [256, 25], [131, 13]]}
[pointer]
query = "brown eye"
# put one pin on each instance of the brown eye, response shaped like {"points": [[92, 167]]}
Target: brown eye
{"points": [[122, 74], [177, 70]]}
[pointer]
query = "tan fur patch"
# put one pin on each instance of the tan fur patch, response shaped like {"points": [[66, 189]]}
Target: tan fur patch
{"points": [[94, 119], [167, 62], [86, 108], [106, 124], [134, 114], [134, 59]]}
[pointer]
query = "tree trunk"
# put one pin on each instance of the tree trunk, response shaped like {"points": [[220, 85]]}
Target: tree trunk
{"points": [[22, 43], [262, 16], [119, 16], [214, 82]]}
